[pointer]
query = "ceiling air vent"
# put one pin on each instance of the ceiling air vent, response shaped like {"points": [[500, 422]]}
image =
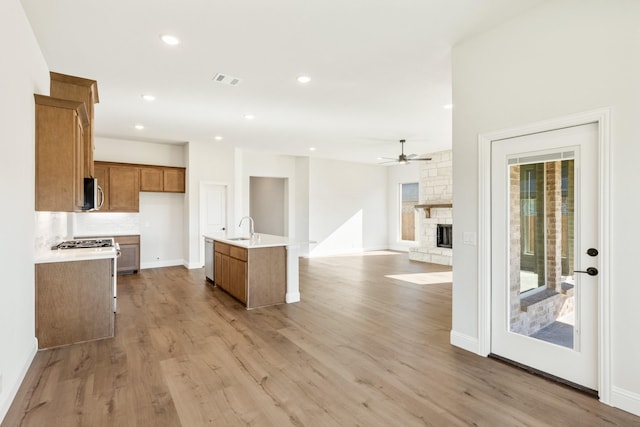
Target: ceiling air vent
{"points": [[226, 79]]}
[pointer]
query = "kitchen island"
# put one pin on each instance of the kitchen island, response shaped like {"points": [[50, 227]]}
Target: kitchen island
{"points": [[258, 271]]}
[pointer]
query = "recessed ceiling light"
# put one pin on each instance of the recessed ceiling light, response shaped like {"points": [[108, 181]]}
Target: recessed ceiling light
{"points": [[217, 138], [447, 106], [139, 127], [249, 116], [304, 79], [312, 148], [148, 97], [170, 40]]}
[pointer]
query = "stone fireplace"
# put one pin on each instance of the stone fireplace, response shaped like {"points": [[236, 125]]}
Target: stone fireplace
{"points": [[435, 209]]}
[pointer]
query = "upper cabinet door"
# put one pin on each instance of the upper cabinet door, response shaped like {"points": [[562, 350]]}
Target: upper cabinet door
{"points": [[162, 179], [80, 90], [174, 180], [151, 179], [59, 176], [124, 188]]}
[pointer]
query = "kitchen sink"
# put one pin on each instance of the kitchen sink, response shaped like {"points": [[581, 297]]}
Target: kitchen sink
{"points": [[240, 238]]}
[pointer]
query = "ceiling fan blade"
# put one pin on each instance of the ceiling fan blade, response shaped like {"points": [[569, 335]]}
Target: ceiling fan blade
{"points": [[387, 162], [425, 159]]}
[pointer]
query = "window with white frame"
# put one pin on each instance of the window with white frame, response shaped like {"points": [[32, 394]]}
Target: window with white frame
{"points": [[408, 199]]}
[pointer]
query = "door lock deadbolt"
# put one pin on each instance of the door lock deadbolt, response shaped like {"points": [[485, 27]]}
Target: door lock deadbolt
{"points": [[592, 252], [591, 271]]}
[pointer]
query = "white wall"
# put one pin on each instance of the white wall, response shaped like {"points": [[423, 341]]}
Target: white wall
{"points": [[212, 162], [268, 204], [342, 206], [396, 175], [24, 72], [347, 207], [160, 221], [301, 195], [130, 151], [265, 165], [161, 229], [560, 58]]}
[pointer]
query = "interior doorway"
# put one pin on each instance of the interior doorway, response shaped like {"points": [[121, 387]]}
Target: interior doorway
{"points": [[213, 212], [268, 204]]}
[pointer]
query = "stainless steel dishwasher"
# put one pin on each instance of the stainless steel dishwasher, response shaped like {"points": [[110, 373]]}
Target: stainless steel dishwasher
{"points": [[208, 258]]}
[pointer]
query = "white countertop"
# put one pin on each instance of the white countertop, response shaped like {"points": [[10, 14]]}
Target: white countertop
{"points": [[65, 255], [259, 240]]}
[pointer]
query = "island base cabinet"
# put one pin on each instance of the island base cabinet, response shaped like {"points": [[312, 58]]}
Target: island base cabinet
{"points": [[74, 302], [256, 277], [266, 276], [238, 279]]}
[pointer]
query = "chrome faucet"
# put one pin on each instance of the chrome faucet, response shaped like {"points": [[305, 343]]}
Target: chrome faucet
{"points": [[251, 233]]}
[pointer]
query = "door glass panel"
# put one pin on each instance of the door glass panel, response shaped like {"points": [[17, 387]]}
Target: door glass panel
{"points": [[541, 236]]}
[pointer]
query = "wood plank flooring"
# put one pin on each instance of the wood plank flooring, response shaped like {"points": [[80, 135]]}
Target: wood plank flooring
{"points": [[360, 349]]}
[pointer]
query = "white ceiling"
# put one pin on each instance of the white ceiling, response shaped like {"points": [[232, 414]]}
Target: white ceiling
{"points": [[380, 69]]}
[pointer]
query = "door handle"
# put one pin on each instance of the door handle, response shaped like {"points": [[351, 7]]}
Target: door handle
{"points": [[591, 271]]}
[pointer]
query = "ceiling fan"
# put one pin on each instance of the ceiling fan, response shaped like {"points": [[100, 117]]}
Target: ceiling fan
{"points": [[405, 158]]}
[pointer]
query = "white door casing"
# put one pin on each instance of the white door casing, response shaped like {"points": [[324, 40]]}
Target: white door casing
{"points": [[602, 118], [213, 212]]}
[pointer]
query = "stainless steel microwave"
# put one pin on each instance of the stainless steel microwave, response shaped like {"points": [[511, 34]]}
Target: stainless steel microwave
{"points": [[93, 195]]}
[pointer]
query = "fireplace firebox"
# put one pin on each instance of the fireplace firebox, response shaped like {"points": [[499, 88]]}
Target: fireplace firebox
{"points": [[444, 236]]}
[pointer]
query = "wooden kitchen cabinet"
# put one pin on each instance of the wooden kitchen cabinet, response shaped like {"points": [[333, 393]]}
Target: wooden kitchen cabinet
{"points": [[59, 180], [121, 185], [151, 179], [129, 260], [221, 265], [173, 180], [83, 90], [256, 276], [162, 179], [74, 302], [123, 182], [238, 279], [124, 189]]}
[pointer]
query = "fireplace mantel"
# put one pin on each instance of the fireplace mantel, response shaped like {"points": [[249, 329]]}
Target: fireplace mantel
{"points": [[428, 206]]}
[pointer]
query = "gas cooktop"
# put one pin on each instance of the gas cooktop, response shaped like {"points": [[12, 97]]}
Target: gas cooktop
{"points": [[85, 244]]}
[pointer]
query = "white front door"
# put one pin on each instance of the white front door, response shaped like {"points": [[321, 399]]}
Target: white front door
{"points": [[544, 225], [213, 212]]}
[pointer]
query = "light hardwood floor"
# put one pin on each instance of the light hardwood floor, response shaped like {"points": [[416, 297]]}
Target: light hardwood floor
{"points": [[360, 349]]}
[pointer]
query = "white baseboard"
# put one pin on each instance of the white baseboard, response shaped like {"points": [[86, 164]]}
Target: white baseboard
{"points": [[464, 341], [12, 390], [400, 248], [625, 400], [163, 263], [292, 297], [337, 252]]}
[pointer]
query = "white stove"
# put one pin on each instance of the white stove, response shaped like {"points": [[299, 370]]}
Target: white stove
{"points": [[95, 244]]}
